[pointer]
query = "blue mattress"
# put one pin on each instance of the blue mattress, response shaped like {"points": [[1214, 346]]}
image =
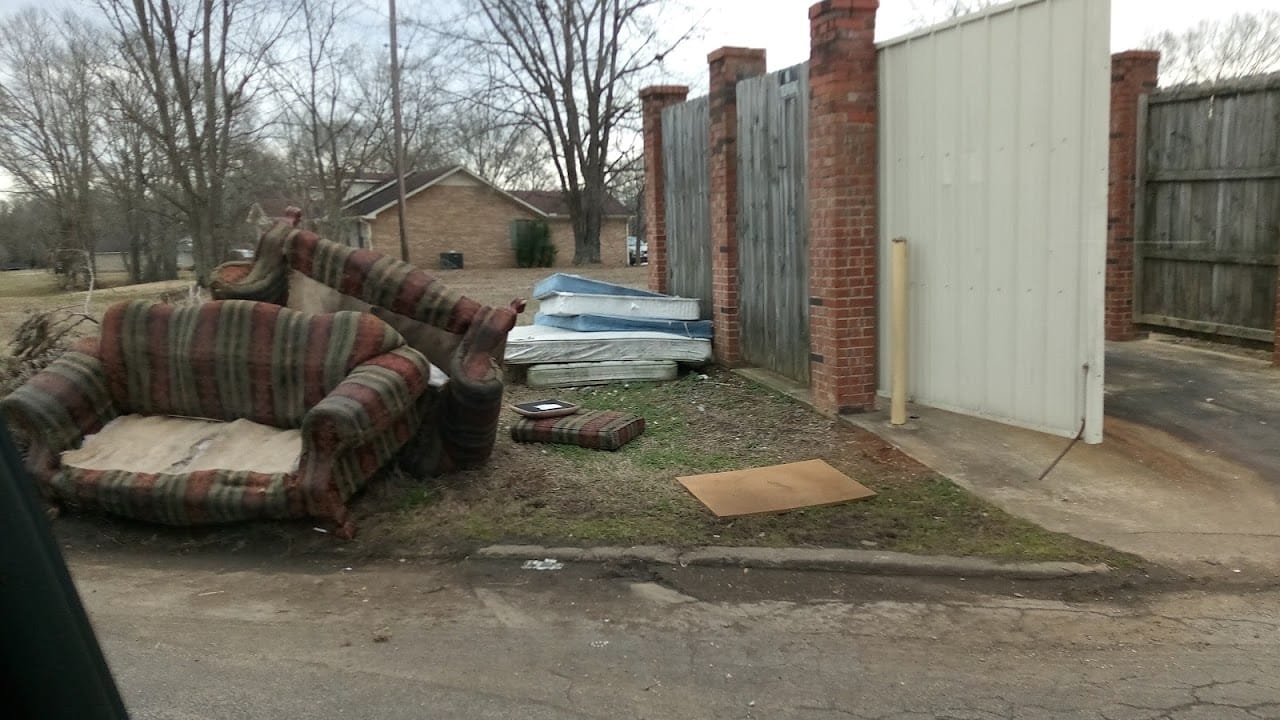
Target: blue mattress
{"points": [[565, 283], [696, 329]]}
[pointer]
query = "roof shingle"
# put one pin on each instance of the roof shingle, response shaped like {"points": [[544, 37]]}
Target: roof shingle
{"points": [[384, 195], [548, 202]]}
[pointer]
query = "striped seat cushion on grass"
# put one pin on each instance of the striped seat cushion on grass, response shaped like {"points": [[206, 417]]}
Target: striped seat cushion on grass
{"points": [[595, 429], [233, 359]]}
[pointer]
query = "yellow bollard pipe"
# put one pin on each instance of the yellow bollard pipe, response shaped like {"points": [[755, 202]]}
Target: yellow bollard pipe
{"points": [[898, 334]]}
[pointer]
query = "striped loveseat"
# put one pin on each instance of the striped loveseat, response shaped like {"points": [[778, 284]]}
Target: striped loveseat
{"points": [[462, 339], [221, 412]]}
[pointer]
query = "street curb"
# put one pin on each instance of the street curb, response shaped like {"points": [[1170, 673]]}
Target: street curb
{"points": [[865, 562]]}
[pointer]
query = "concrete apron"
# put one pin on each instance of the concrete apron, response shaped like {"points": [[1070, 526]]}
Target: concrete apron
{"points": [[1141, 491]]}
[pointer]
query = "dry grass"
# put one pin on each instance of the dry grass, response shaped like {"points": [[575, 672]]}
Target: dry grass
{"points": [[568, 495], [554, 494], [26, 291]]}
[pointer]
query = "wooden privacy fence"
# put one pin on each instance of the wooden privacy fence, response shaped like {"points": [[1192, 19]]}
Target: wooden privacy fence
{"points": [[685, 155], [773, 221], [782, 185], [1209, 209]]}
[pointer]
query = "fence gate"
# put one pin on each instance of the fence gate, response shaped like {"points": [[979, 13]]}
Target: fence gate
{"points": [[773, 221], [993, 165], [1209, 213], [686, 129]]}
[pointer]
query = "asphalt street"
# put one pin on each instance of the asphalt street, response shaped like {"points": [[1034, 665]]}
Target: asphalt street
{"points": [[201, 638]]}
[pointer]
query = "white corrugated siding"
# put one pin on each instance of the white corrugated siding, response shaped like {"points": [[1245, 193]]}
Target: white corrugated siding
{"points": [[993, 164]]}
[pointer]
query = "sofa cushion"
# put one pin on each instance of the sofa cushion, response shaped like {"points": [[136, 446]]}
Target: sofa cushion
{"points": [[594, 429], [232, 359], [172, 445]]}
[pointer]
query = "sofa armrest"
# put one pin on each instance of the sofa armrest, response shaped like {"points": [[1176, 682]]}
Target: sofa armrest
{"points": [[57, 407], [372, 398], [265, 278], [248, 280]]}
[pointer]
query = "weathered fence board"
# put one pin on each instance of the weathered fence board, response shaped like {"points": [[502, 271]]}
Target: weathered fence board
{"points": [[1210, 186], [773, 221], [685, 135]]}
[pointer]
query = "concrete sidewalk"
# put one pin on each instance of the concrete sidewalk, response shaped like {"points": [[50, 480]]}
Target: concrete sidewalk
{"points": [[1142, 490]]}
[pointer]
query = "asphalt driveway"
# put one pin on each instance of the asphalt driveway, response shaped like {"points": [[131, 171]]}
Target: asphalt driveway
{"points": [[1221, 403]]}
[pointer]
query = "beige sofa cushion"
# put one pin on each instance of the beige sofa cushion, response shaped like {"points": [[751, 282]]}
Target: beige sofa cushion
{"points": [[165, 444]]}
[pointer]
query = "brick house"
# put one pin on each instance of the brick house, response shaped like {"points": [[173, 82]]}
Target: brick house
{"points": [[453, 210]]}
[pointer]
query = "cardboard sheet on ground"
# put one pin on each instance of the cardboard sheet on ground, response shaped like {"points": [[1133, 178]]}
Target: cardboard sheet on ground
{"points": [[774, 489]]}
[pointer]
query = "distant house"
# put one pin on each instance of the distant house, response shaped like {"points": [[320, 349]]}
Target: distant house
{"points": [[453, 210]]}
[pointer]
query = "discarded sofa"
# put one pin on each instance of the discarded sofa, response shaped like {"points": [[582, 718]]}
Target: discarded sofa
{"points": [[221, 412], [463, 340]]}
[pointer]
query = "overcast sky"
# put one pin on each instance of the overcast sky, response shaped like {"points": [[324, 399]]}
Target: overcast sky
{"points": [[782, 27]]}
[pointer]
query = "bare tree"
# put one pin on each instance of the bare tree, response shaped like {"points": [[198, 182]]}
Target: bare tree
{"points": [[134, 178], [198, 60], [323, 92], [427, 113], [1211, 50], [26, 225], [499, 147], [574, 67], [931, 12], [49, 96]]}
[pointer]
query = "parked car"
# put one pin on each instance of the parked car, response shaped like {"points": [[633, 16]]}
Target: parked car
{"points": [[637, 251]]}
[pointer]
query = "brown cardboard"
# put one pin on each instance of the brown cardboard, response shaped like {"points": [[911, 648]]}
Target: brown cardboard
{"points": [[776, 488]]}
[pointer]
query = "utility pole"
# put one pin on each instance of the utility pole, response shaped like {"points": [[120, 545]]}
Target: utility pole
{"points": [[398, 150]]}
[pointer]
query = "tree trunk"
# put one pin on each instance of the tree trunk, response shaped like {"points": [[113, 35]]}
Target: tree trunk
{"points": [[201, 245], [586, 225]]}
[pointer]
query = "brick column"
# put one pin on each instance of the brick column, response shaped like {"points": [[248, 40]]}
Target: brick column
{"points": [[1133, 74], [842, 205], [727, 66], [652, 101]]}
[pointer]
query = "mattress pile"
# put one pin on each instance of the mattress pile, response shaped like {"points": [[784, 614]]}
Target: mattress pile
{"points": [[592, 332]]}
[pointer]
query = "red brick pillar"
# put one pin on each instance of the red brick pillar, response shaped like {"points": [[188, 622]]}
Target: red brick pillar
{"points": [[652, 101], [842, 205], [1133, 74], [727, 66]]}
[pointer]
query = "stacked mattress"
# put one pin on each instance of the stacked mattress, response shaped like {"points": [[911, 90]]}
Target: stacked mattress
{"points": [[592, 332]]}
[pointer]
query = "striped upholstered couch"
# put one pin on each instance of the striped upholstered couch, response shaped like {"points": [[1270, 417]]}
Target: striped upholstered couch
{"points": [[462, 339], [220, 412]]}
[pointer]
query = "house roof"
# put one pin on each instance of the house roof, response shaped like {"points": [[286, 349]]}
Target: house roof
{"points": [[542, 202], [383, 196], [554, 202]]}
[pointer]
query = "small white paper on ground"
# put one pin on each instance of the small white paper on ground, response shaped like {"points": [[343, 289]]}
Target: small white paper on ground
{"points": [[548, 564]]}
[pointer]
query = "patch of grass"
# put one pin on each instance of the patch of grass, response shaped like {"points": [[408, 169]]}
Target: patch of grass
{"points": [[566, 495], [419, 496], [24, 291]]}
